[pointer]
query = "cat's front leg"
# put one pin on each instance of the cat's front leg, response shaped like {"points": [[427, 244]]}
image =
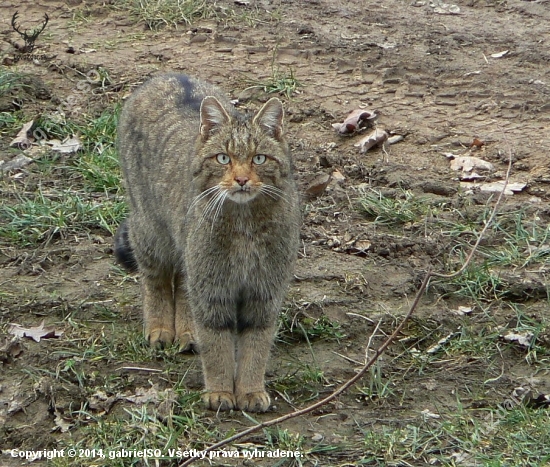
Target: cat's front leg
{"points": [[185, 334], [253, 349], [217, 352]]}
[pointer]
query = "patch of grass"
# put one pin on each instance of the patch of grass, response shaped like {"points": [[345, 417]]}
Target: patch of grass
{"points": [[515, 241], [525, 241], [283, 83], [90, 200], [492, 437], [159, 13], [378, 388], [404, 208], [300, 327], [10, 123], [9, 80], [479, 282], [40, 218], [96, 163], [161, 426]]}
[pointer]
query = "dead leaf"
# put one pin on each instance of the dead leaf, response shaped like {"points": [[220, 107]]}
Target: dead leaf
{"points": [[36, 333], [165, 409], [427, 414], [61, 424], [374, 138], [101, 402], [500, 54], [496, 187], [477, 143], [395, 139], [359, 247], [469, 163], [522, 338], [22, 140], [337, 176], [541, 401], [18, 162], [440, 343], [463, 310], [10, 349], [356, 120], [143, 396], [67, 146], [318, 184], [430, 385]]}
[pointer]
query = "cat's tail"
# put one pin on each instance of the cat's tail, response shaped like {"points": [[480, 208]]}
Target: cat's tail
{"points": [[123, 250]]}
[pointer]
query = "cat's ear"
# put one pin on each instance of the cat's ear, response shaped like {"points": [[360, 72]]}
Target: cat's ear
{"points": [[270, 117], [213, 115]]}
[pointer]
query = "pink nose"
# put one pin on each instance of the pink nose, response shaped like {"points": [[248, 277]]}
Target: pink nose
{"points": [[241, 180]]}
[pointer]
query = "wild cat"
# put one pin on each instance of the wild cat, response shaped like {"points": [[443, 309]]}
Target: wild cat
{"points": [[213, 228]]}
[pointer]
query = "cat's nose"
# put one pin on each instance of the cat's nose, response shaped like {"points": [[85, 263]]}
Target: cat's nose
{"points": [[241, 180]]}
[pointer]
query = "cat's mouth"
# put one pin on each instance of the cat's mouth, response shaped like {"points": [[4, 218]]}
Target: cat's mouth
{"points": [[242, 194]]}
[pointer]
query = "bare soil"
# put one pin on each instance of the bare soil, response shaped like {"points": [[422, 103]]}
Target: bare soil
{"points": [[432, 78]]}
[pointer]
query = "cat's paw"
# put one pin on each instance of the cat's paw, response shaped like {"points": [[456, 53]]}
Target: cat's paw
{"points": [[253, 401], [219, 400], [160, 337], [186, 342]]}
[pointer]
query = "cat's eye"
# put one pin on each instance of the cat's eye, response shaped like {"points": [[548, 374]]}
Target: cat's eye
{"points": [[223, 159], [258, 159]]}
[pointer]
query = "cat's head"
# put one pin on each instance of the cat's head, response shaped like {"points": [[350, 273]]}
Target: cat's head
{"points": [[244, 156]]}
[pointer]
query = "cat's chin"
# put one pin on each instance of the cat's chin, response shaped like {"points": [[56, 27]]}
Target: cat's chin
{"points": [[241, 197]]}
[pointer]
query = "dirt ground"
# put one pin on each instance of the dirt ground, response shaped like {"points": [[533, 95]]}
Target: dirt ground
{"points": [[438, 79]]}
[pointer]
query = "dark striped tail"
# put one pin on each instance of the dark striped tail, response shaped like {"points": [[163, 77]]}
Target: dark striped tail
{"points": [[123, 250]]}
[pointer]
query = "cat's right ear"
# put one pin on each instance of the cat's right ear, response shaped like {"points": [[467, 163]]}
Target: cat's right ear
{"points": [[213, 115]]}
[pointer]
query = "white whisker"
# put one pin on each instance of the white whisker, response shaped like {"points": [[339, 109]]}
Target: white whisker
{"points": [[274, 192], [221, 200], [213, 206], [202, 195]]}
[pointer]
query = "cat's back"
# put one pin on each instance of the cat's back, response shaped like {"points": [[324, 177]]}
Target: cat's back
{"points": [[160, 117], [156, 138]]}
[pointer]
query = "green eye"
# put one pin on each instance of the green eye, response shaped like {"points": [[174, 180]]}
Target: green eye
{"points": [[258, 159], [223, 159]]}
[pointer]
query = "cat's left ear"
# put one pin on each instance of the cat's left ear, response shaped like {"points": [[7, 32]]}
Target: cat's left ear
{"points": [[270, 118], [212, 115]]}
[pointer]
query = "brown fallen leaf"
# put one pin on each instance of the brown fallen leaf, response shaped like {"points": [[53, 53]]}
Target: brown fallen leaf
{"points": [[319, 184], [358, 247], [356, 120], [22, 140], [36, 333], [374, 138], [477, 143]]}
